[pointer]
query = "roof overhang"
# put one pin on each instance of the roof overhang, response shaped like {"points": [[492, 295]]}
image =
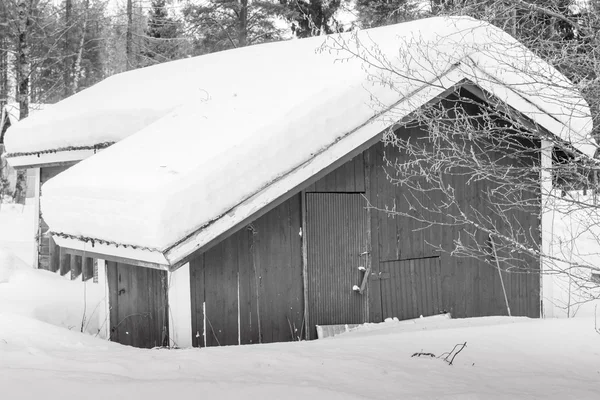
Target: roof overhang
{"points": [[48, 159]]}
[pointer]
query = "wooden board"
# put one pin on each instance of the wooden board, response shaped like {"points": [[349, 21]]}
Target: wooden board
{"points": [[469, 286], [248, 288], [411, 288], [138, 305], [349, 178]]}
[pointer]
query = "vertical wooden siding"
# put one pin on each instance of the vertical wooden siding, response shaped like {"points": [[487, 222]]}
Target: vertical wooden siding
{"points": [[469, 287], [138, 303], [248, 288], [336, 238], [411, 288], [349, 178]]}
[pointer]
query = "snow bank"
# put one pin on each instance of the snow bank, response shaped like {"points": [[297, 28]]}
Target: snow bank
{"points": [[48, 297], [573, 233], [504, 359], [17, 233], [216, 144]]}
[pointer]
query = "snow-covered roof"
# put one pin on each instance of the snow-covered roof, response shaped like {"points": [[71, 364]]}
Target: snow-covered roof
{"points": [[11, 110], [221, 136]]}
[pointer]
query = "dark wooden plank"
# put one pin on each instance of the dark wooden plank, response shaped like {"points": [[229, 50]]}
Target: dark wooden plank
{"points": [[248, 303], [371, 165], [411, 288], [76, 266], [220, 290], [307, 332], [279, 254], [64, 263], [348, 178], [112, 280], [138, 305], [54, 253], [197, 299], [87, 268]]}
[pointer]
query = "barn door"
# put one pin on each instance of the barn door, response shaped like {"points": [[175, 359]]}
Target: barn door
{"points": [[336, 245], [411, 288], [138, 305]]}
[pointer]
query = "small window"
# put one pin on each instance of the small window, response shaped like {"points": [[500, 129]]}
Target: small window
{"points": [[595, 278]]}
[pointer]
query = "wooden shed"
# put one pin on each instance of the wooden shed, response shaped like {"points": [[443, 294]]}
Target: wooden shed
{"points": [[250, 214]]}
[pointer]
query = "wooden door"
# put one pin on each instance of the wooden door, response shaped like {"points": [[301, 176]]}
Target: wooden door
{"points": [[138, 305], [336, 245]]}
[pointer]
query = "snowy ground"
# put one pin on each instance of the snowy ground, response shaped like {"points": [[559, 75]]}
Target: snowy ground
{"points": [[44, 355], [17, 230]]}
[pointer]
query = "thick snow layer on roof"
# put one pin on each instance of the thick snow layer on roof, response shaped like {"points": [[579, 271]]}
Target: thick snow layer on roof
{"points": [[222, 135], [11, 111]]}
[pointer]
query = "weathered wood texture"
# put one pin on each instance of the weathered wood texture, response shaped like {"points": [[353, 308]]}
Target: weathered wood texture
{"points": [[469, 287], [248, 288], [138, 305], [411, 288], [349, 178], [336, 236], [49, 254]]}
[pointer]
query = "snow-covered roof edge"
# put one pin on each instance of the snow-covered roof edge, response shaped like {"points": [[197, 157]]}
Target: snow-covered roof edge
{"points": [[52, 157]]}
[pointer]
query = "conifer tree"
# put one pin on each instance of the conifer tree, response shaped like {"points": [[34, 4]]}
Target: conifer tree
{"points": [[162, 42], [312, 17], [224, 24], [373, 13]]}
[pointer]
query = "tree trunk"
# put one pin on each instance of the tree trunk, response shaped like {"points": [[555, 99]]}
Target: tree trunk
{"points": [[77, 67], [129, 36], [3, 73], [243, 24], [23, 68], [67, 49]]}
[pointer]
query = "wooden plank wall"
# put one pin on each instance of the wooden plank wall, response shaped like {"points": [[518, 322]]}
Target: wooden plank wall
{"points": [[349, 178], [469, 287], [49, 255], [411, 288], [138, 302], [248, 288]]}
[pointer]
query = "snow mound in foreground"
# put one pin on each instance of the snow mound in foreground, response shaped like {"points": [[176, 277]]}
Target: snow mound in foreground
{"points": [[9, 264], [48, 297], [504, 358]]}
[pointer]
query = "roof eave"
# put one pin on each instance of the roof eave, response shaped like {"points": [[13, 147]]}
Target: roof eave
{"points": [[129, 255], [50, 158]]}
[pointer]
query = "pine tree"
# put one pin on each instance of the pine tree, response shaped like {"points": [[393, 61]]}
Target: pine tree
{"points": [[312, 17], [162, 42], [373, 13], [224, 24]]}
